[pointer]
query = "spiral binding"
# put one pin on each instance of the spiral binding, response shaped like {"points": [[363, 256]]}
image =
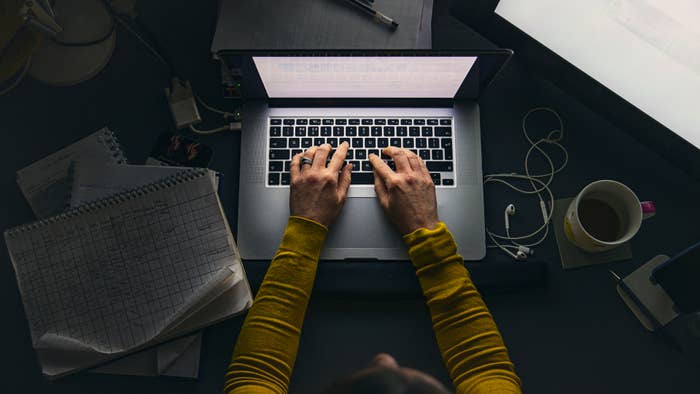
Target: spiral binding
{"points": [[170, 181], [109, 139]]}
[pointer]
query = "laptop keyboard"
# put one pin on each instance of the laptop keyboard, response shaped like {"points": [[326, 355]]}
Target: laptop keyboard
{"points": [[431, 138]]}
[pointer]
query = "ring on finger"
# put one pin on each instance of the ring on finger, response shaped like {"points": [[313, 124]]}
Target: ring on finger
{"points": [[306, 160]]}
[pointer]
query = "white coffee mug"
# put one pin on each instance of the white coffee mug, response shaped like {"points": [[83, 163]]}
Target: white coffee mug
{"points": [[604, 215]]}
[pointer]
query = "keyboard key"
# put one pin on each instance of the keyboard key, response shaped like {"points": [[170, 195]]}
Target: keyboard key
{"points": [[419, 122], [395, 142], [279, 154], [276, 143], [300, 131], [401, 131], [363, 131], [408, 142], [276, 165], [332, 142], [436, 178], [448, 153], [313, 131], [344, 139], [275, 121], [355, 165], [376, 131], [296, 152], [350, 155], [370, 142], [338, 131], [388, 131], [351, 131], [341, 122], [391, 164], [319, 141], [443, 166], [433, 143], [354, 121], [315, 122], [448, 182], [302, 121], [273, 179], [287, 131], [362, 178], [380, 122], [366, 166], [414, 151], [433, 122], [443, 131], [357, 142], [287, 165], [446, 142], [327, 121], [306, 142], [372, 151], [285, 178], [326, 131], [275, 131], [393, 121], [360, 154], [406, 122], [294, 142], [367, 122], [414, 131], [421, 143], [437, 154], [382, 142], [289, 121], [446, 122], [427, 131], [424, 154]]}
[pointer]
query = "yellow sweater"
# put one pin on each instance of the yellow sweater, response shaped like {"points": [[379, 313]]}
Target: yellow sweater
{"points": [[467, 336]]}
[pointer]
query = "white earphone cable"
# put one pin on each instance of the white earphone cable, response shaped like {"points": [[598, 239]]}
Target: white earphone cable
{"points": [[537, 185]]}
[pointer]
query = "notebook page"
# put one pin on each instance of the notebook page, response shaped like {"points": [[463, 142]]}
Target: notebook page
{"points": [[112, 279], [46, 184]]}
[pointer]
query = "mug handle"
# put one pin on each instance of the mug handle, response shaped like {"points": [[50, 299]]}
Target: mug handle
{"points": [[648, 209]]}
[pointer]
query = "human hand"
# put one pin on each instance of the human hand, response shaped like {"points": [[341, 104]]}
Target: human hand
{"points": [[407, 195], [318, 192]]}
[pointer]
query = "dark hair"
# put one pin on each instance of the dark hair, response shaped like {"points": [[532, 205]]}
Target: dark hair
{"points": [[382, 381]]}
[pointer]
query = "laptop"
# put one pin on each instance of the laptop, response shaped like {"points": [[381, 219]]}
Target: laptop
{"points": [[425, 101]]}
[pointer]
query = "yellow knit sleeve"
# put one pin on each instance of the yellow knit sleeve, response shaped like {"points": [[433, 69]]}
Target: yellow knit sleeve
{"points": [[267, 346], [469, 341]]}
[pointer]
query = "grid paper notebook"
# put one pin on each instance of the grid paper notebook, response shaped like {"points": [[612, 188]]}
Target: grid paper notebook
{"points": [[115, 274]]}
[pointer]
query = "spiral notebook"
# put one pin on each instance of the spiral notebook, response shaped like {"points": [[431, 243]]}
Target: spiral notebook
{"points": [[46, 184], [127, 272]]}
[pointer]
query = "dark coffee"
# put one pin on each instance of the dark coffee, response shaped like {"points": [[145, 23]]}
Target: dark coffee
{"points": [[599, 219]]}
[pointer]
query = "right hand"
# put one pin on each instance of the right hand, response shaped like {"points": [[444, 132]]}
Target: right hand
{"points": [[407, 195]]}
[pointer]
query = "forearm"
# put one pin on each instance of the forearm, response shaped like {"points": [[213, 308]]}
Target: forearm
{"points": [[264, 356], [467, 336]]}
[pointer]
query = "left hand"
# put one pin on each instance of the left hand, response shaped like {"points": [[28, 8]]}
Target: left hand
{"points": [[318, 192]]}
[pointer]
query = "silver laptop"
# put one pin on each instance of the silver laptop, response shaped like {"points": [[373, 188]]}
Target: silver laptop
{"points": [[425, 101]]}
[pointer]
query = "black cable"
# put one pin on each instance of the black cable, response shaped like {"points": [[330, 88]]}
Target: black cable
{"points": [[88, 43]]}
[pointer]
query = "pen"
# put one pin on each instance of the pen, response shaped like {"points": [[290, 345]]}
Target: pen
{"points": [[374, 13], [657, 327]]}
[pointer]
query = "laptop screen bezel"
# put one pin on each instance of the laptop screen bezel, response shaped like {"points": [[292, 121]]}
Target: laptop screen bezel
{"points": [[480, 76]]}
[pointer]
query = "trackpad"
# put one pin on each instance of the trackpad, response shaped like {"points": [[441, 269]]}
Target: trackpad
{"points": [[362, 224]]}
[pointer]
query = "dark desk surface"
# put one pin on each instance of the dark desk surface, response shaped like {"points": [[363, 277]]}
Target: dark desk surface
{"points": [[573, 336]]}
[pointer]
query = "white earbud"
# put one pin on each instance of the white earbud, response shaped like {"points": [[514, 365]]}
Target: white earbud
{"points": [[510, 211]]}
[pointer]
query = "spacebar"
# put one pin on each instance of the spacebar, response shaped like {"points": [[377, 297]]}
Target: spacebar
{"points": [[362, 178]]}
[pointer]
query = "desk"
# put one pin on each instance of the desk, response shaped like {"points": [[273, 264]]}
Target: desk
{"points": [[574, 336]]}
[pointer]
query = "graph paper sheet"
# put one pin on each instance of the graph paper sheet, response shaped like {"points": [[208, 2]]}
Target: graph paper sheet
{"points": [[115, 274]]}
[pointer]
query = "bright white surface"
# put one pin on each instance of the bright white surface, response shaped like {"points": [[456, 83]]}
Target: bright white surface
{"points": [[363, 77], [646, 51]]}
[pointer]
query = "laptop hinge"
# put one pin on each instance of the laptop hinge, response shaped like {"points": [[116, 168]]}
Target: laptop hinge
{"points": [[313, 102]]}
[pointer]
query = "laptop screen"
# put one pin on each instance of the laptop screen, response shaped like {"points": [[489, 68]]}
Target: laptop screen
{"points": [[363, 76]]}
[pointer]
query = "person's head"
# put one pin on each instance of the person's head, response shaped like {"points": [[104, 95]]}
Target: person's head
{"points": [[384, 376]]}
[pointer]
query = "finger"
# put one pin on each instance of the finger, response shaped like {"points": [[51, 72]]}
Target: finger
{"points": [[399, 157], [321, 156], [380, 187], [339, 157], [381, 170], [294, 169], [344, 180], [309, 154], [414, 161]]}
